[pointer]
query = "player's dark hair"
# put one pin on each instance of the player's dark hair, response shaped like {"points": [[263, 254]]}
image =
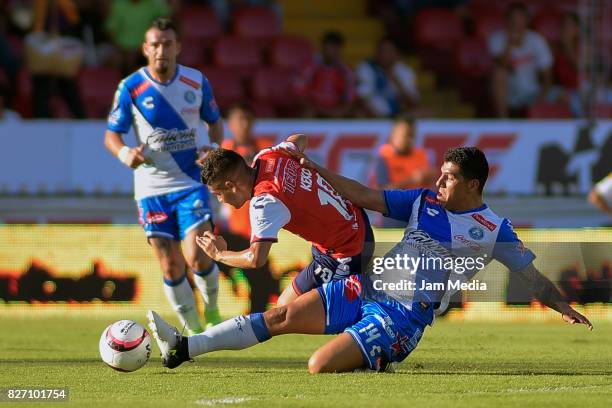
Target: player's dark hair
{"points": [[163, 24], [218, 164], [471, 161], [333, 37]]}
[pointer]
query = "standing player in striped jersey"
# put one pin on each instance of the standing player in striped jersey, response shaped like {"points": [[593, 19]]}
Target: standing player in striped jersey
{"points": [[165, 103], [285, 195]]}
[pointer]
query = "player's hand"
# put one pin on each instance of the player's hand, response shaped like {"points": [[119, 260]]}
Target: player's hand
{"points": [[571, 316], [212, 244], [302, 159], [202, 152], [135, 157]]}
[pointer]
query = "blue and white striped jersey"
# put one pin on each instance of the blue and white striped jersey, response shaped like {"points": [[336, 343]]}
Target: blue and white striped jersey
{"points": [[166, 118], [466, 240]]}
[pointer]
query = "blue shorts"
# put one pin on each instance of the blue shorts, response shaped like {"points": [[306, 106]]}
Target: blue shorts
{"points": [[384, 331], [324, 268], [174, 215]]}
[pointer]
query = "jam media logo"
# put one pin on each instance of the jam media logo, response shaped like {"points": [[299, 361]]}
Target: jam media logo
{"points": [[40, 283]]}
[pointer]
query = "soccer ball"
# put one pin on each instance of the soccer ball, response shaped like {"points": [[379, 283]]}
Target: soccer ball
{"points": [[125, 346]]}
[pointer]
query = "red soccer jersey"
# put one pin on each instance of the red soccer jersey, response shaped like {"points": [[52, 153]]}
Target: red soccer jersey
{"points": [[286, 195]]}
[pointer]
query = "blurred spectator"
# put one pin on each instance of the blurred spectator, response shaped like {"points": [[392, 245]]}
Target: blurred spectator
{"points": [[55, 25], [400, 164], [386, 86], [325, 87], [9, 63], [7, 115], [520, 56], [238, 232], [127, 23], [601, 195], [565, 69]]}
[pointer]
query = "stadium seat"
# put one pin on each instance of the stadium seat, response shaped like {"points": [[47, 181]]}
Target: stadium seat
{"points": [[472, 57], [23, 98], [290, 52], [226, 84], [473, 67], [274, 86], [262, 109], [193, 52], [241, 54], [487, 21], [257, 22], [438, 29], [549, 110], [97, 86], [200, 23], [549, 25]]}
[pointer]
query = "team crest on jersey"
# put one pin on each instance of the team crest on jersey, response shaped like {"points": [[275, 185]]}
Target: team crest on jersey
{"points": [[476, 233], [189, 96]]}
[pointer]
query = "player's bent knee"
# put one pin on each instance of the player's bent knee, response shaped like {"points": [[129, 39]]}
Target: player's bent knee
{"points": [[317, 365], [276, 319]]}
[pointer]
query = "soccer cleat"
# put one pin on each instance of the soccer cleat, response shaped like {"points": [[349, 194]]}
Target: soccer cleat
{"points": [[172, 345], [213, 317]]}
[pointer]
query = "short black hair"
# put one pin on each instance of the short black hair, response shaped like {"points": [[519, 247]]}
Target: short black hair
{"points": [[163, 24], [471, 161], [332, 37], [219, 163]]}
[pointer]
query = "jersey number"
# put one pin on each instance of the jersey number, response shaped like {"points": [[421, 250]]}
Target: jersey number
{"points": [[327, 195]]}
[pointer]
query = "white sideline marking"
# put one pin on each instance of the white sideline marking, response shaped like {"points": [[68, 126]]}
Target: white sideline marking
{"points": [[223, 401]]}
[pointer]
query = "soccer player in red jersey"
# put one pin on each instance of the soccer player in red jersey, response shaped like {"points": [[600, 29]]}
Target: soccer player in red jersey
{"points": [[286, 195]]}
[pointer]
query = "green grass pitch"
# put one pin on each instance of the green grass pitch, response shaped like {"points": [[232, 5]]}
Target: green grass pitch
{"points": [[456, 364]]}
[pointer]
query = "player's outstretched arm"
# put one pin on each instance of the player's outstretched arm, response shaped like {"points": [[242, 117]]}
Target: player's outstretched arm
{"points": [[546, 292], [216, 248], [352, 190], [215, 132]]}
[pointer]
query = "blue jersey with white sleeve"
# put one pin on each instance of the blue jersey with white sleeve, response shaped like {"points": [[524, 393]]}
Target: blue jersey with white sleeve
{"points": [[166, 118], [439, 242]]}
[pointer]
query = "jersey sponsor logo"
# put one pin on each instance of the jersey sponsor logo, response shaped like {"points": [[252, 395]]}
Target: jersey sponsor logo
{"points": [[156, 217], [148, 102], [427, 245], [432, 212], [189, 82], [269, 165], [306, 180], [189, 96], [190, 111], [490, 226], [467, 242], [476, 233], [171, 140], [290, 176], [432, 200], [136, 92]]}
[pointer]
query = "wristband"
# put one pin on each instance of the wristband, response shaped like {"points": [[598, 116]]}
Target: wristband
{"points": [[123, 153]]}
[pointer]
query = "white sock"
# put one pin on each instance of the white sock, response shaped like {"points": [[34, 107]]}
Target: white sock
{"points": [[234, 334], [208, 283], [181, 298]]}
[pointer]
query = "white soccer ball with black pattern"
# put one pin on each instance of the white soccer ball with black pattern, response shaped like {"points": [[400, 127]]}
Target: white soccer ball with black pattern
{"points": [[125, 346]]}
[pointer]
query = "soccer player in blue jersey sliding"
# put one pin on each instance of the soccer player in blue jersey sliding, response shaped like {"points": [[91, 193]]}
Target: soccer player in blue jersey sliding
{"points": [[165, 103], [377, 325]]}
